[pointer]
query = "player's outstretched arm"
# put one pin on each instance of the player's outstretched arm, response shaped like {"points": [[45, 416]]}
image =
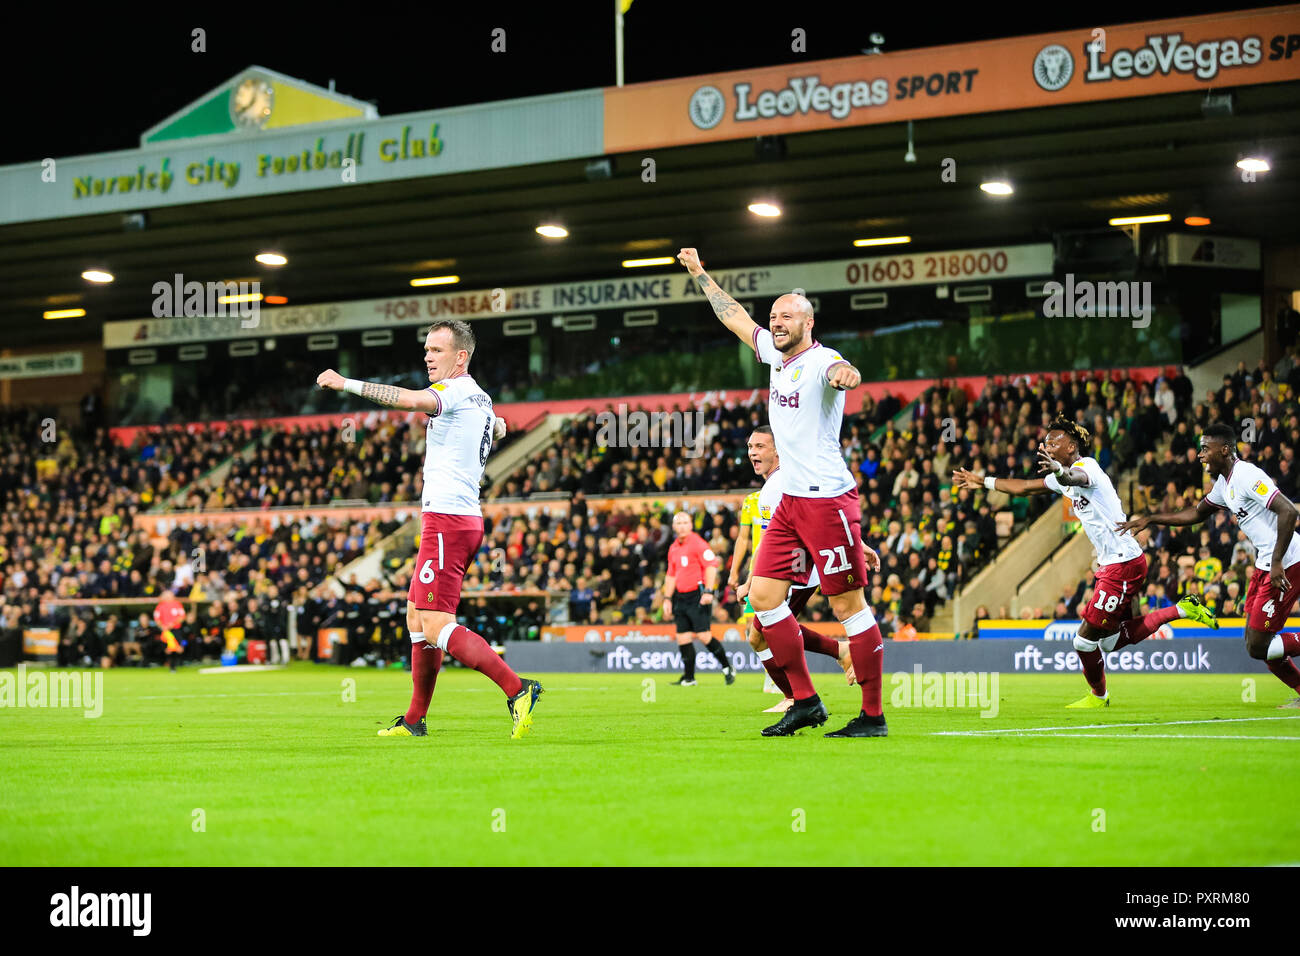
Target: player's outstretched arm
{"points": [[1194, 515], [724, 306], [389, 396], [1011, 486]]}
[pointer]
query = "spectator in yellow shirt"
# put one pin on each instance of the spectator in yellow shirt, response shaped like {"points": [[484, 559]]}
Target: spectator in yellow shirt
{"points": [[1208, 568]]}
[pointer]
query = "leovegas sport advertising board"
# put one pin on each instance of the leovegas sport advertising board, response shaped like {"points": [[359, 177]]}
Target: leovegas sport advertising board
{"points": [[1102, 63]]}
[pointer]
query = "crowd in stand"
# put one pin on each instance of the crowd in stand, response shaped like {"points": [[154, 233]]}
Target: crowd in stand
{"points": [[68, 531], [317, 465]]}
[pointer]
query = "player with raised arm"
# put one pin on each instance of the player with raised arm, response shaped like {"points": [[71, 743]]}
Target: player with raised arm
{"points": [[819, 515], [767, 465], [1108, 622], [459, 431], [689, 589], [1268, 518]]}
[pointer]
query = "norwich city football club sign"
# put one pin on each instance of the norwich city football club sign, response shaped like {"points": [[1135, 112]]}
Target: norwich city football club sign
{"points": [[261, 133]]}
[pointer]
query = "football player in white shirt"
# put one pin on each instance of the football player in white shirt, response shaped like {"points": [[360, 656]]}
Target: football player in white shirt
{"points": [[459, 433], [819, 518], [1269, 520], [1108, 621], [767, 465]]}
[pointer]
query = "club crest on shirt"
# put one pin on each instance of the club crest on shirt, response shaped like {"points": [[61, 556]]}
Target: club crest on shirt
{"points": [[795, 377]]}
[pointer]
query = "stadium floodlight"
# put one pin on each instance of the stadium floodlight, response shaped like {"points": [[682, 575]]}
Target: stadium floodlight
{"points": [[436, 280], [97, 275], [271, 258], [882, 241], [64, 314], [244, 297], [552, 231], [1139, 220], [765, 209], [1253, 164], [997, 187], [642, 263]]}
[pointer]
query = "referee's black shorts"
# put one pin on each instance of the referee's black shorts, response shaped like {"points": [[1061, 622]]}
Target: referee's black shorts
{"points": [[690, 616]]}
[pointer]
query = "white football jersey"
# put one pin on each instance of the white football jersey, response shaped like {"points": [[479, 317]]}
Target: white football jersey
{"points": [[457, 441], [1099, 510], [805, 414], [1247, 491], [769, 496]]}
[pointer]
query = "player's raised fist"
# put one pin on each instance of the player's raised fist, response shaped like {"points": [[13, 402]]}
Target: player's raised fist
{"points": [[691, 260], [844, 376], [330, 379], [499, 428]]}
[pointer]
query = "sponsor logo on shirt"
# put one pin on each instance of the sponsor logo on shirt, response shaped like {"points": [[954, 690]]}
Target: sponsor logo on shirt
{"points": [[776, 398]]}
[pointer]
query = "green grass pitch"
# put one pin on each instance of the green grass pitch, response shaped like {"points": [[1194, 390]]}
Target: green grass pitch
{"points": [[280, 769]]}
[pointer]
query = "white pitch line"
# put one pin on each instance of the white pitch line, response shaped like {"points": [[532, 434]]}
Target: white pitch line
{"points": [[1150, 723], [1155, 736]]}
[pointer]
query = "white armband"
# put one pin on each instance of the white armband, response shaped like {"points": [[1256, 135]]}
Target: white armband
{"points": [[988, 482], [352, 385]]}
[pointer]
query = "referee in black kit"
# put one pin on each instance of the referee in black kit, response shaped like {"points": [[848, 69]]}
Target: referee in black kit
{"points": [[688, 596]]}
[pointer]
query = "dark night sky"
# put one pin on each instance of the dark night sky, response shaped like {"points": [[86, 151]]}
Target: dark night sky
{"points": [[93, 82]]}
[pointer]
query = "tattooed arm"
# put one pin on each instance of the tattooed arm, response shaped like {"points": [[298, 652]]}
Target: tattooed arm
{"points": [[726, 308], [389, 396]]}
